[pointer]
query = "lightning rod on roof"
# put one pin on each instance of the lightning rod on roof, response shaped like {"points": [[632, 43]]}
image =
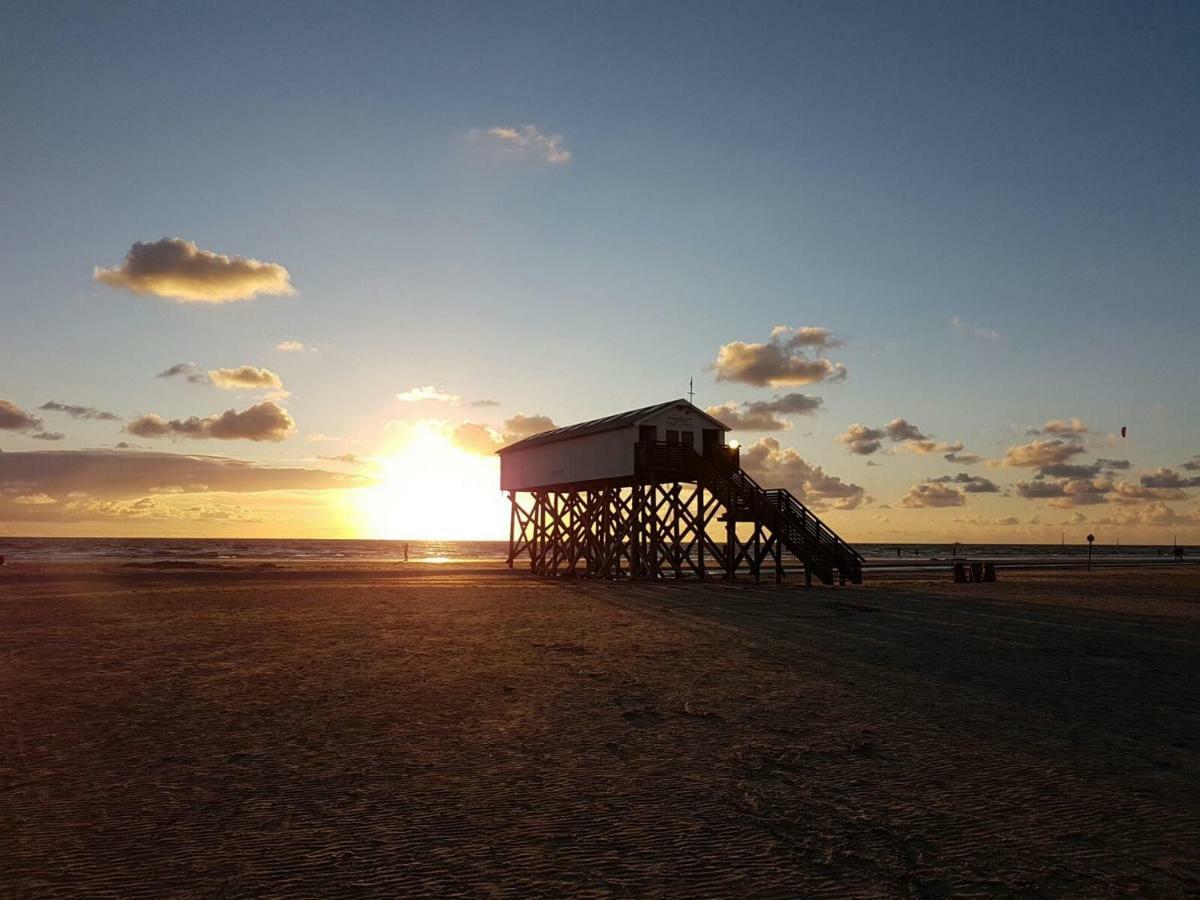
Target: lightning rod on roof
{"points": [[691, 393]]}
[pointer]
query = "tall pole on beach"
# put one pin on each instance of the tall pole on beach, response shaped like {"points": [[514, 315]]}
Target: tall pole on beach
{"points": [[1091, 537]]}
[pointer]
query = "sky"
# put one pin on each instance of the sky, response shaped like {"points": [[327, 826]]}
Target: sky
{"points": [[372, 242]]}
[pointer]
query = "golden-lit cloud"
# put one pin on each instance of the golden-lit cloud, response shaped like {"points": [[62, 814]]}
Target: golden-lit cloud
{"points": [[290, 346], [428, 393], [861, 439], [1126, 492], [1156, 514], [1040, 453], [865, 441], [521, 425], [524, 142], [1072, 426], [765, 415], [774, 466], [241, 377], [476, 438], [178, 269], [931, 494], [84, 485], [34, 500], [266, 421], [782, 361], [984, 521], [484, 439]]}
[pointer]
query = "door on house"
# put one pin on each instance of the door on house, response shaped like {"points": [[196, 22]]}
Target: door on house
{"points": [[672, 436], [688, 439], [711, 438], [647, 433]]}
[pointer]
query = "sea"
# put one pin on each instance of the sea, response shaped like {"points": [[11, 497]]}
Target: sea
{"points": [[66, 549]]}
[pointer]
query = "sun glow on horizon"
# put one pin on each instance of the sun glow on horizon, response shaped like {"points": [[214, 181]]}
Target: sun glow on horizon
{"points": [[430, 489]]}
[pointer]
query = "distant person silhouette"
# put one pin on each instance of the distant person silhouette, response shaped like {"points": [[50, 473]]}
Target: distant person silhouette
{"points": [[406, 552]]}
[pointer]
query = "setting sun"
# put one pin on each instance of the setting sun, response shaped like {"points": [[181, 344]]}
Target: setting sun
{"points": [[431, 489]]}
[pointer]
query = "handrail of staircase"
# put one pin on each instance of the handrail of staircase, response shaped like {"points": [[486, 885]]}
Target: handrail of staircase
{"points": [[677, 457]]}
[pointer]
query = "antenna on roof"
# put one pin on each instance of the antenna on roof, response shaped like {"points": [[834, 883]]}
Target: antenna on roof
{"points": [[691, 393]]}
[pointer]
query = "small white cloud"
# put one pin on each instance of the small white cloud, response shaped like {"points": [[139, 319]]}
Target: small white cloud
{"points": [[963, 327], [525, 142], [294, 347]]}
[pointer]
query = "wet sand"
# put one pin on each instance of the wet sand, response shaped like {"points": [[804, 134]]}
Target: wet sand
{"points": [[400, 731]]}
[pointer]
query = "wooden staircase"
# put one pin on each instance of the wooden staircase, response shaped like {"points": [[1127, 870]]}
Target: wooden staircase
{"points": [[823, 553]]}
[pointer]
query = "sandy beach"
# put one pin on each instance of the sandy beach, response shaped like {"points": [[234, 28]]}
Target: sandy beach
{"points": [[464, 730]]}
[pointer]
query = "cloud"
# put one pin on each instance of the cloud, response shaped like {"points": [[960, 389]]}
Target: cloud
{"points": [[864, 440], [1169, 478], [901, 430], [1154, 514], [765, 415], [972, 484], [524, 142], [928, 445], [963, 459], [294, 347], [484, 439], [250, 377], [343, 458], [1124, 492], [861, 440], [521, 425], [1067, 492], [266, 421], [983, 334], [172, 267], [234, 379], [931, 494], [319, 438], [190, 370], [485, 403], [984, 521], [34, 500], [1192, 465], [1036, 454], [775, 466], [475, 438], [110, 474], [80, 412], [780, 362], [13, 418], [1065, 426], [428, 392]]}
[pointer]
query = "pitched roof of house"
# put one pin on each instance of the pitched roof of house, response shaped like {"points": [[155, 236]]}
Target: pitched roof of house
{"points": [[608, 423]]}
